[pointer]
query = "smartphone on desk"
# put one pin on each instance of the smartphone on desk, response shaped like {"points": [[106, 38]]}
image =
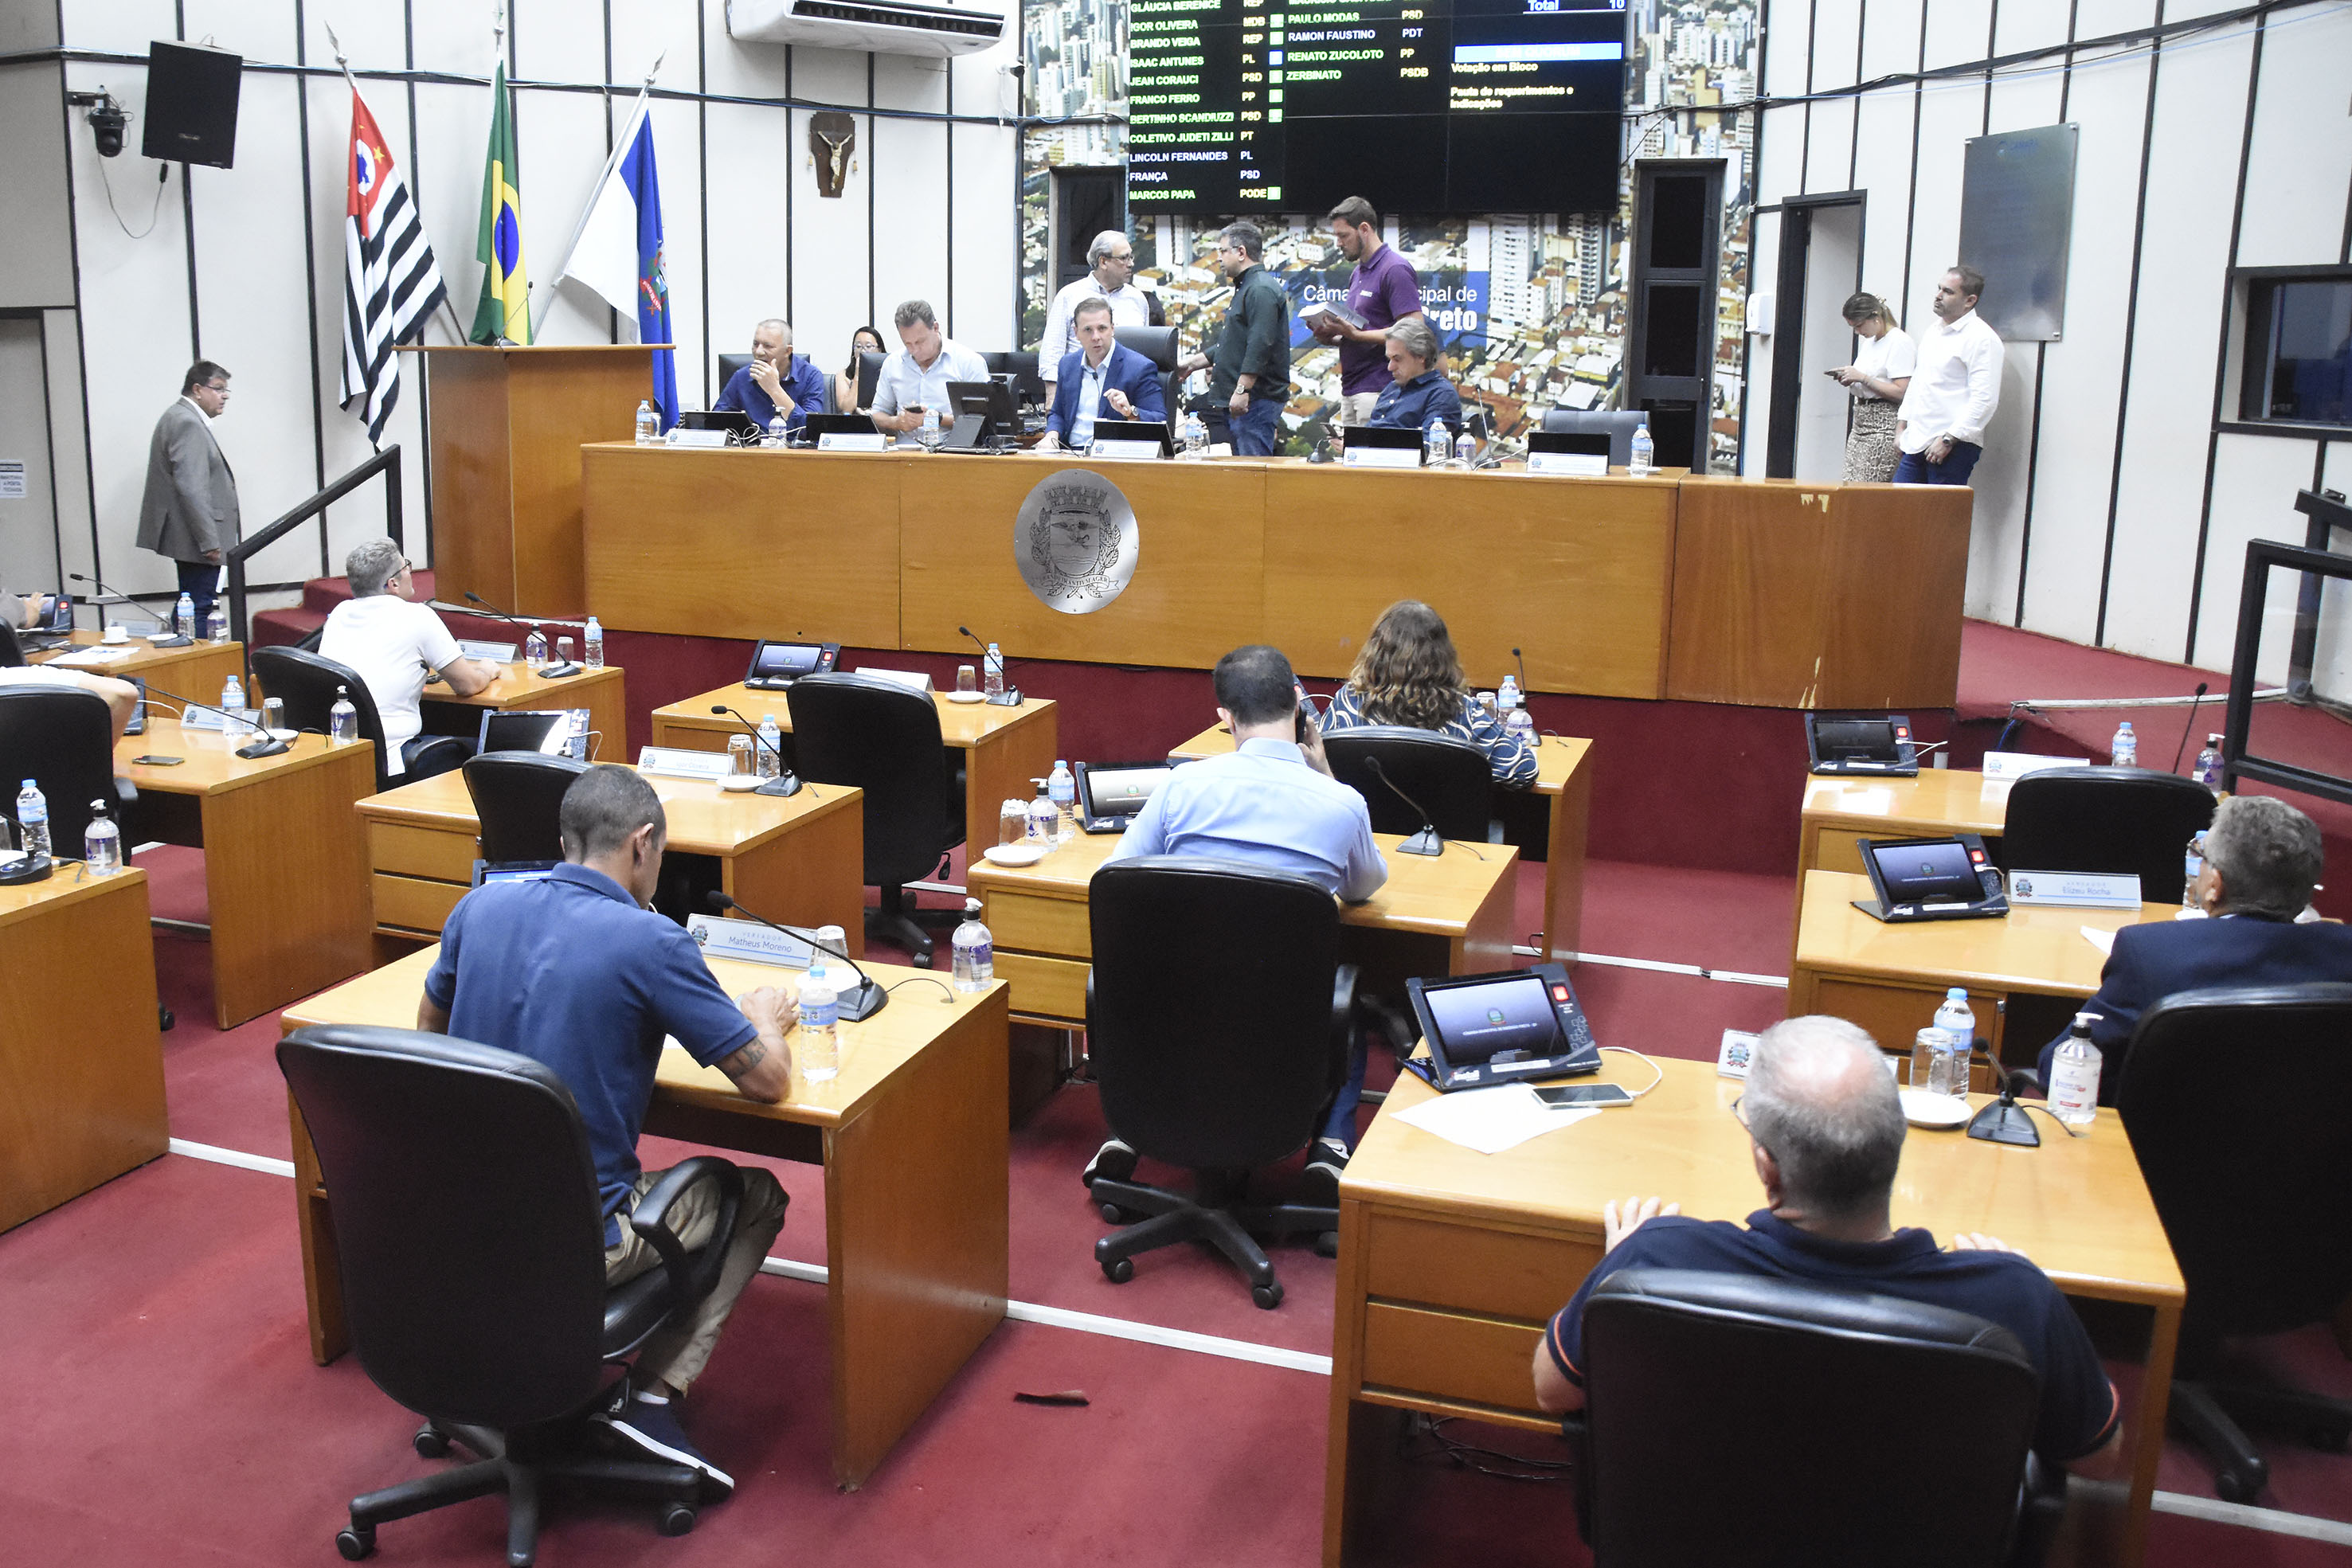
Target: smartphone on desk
{"points": [[1578, 1096]]}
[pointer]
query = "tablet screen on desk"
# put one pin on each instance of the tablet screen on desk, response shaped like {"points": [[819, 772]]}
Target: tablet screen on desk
{"points": [[1926, 870], [1117, 790], [1481, 1019]]}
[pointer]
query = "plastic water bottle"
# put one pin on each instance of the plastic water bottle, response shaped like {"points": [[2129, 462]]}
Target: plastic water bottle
{"points": [[777, 434], [769, 761], [1437, 447], [931, 432], [2209, 764], [1947, 1068], [1644, 456], [820, 1028], [1465, 448], [648, 424], [233, 700], [534, 649], [342, 719], [1520, 725], [2123, 750], [101, 844], [183, 615], [1195, 435], [1506, 695], [1041, 818], [1062, 790], [217, 623], [975, 951], [593, 641], [2194, 862], [33, 819], [992, 681], [2074, 1076]]}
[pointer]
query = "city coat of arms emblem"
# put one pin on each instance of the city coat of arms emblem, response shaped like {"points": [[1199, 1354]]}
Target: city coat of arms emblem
{"points": [[1075, 541]]}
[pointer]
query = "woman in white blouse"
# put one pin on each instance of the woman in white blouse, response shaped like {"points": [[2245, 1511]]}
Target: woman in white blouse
{"points": [[1876, 379]]}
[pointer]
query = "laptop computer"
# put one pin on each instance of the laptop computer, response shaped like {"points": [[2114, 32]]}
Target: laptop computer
{"points": [[1111, 793], [1484, 1029], [557, 732]]}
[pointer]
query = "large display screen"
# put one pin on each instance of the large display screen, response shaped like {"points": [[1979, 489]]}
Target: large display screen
{"points": [[1418, 106]]}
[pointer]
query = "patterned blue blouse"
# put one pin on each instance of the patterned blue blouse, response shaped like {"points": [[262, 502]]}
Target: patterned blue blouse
{"points": [[1513, 760]]}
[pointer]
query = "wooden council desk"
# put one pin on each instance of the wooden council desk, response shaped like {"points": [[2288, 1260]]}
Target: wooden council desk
{"points": [[796, 858], [1445, 915], [1450, 1262], [80, 1057], [1564, 777], [286, 878], [913, 1142], [1940, 801], [1004, 748], [1759, 591], [198, 670]]}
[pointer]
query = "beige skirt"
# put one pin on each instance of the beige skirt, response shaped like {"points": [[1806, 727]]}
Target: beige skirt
{"points": [[1870, 442]]}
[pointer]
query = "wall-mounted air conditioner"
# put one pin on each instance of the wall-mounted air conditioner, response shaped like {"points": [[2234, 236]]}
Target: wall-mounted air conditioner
{"points": [[882, 26]]}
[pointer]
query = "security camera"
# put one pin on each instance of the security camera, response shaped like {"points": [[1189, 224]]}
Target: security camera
{"points": [[106, 119]]}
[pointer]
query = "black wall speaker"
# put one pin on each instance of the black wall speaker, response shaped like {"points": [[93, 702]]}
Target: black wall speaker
{"points": [[191, 115]]}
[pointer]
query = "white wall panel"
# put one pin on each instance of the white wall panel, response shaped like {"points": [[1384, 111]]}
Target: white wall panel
{"points": [[2260, 475], [1787, 44], [553, 40], [257, 32], [28, 535], [829, 76], [36, 243], [68, 443], [560, 142], [910, 241], [1779, 156], [1764, 273], [1829, 161], [747, 70], [833, 292], [1958, 31], [751, 167], [983, 235], [119, 27], [2298, 154]]}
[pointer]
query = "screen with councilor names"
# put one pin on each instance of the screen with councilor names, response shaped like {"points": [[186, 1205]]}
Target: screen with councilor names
{"points": [[1421, 106]]}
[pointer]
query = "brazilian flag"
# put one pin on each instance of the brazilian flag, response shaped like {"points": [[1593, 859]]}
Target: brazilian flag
{"points": [[505, 309]]}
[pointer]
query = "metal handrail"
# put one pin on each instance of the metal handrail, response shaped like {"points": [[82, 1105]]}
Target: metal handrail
{"points": [[386, 463]]}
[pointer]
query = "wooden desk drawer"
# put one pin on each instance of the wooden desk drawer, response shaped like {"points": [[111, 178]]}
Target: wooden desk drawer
{"points": [[1501, 1273], [1450, 1355], [1049, 988], [408, 903], [1029, 923], [1836, 851], [436, 855]]}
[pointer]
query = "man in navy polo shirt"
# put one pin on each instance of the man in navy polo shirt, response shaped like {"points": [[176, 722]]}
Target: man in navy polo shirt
{"points": [[777, 380], [1826, 1127], [577, 974]]}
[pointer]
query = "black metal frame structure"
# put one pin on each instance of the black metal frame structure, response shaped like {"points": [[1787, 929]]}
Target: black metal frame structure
{"points": [[2262, 557], [386, 463]]}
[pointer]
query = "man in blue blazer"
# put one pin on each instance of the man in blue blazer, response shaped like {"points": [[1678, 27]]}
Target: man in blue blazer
{"points": [[1102, 381], [2261, 861]]}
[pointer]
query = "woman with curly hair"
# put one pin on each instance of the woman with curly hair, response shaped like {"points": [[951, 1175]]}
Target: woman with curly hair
{"points": [[1408, 674]]}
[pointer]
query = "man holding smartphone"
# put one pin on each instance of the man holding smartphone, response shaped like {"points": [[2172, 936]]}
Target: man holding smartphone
{"points": [[915, 381]]}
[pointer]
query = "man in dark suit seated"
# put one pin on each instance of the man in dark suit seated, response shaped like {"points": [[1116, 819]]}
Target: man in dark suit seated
{"points": [[1826, 1130], [1103, 380], [2262, 859]]}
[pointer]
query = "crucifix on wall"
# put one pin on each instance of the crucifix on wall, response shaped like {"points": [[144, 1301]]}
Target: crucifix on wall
{"points": [[832, 138]]}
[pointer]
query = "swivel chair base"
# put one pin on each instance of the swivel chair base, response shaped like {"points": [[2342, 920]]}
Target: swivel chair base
{"points": [[518, 1464], [1216, 1217], [897, 921], [2210, 1414]]}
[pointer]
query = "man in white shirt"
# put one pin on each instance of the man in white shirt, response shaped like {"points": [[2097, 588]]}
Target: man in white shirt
{"points": [[392, 642], [917, 377], [1112, 280], [1955, 387]]}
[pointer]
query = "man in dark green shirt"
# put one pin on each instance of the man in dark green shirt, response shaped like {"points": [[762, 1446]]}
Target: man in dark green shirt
{"points": [[1248, 360]]}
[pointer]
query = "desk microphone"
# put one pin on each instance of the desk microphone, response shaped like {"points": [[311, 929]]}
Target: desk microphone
{"points": [[178, 640], [785, 782], [862, 1003], [1522, 658], [266, 744], [1011, 696], [1428, 842], [552, 671], [2005, 1121], [2189, 728]]}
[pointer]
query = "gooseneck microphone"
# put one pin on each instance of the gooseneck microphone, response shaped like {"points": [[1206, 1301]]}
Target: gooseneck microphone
{"points": [[264, 745], [1011, 696], [553, 671], [1428, 841], [1522, 658], [2189, 728], [178, 640], [785, 782], [862, 1003]]}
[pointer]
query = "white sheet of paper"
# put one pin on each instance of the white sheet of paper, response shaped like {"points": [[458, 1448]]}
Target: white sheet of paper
{"points": [[1491, 1120], [93, 658], [2105, 941]]}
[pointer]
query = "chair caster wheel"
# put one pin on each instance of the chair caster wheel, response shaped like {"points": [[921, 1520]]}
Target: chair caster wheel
{"points": [[1327, 1245], [2231, 1486], [677, 1519], [1268, 1296], [1119, 1270], [355, 1543], [430, 1443], [1112, 1214]]}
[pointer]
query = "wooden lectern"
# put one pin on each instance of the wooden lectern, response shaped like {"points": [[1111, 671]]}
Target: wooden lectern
{"points": [[505, 427]]}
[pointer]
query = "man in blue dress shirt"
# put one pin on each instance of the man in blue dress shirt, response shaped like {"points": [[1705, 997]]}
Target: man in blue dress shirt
{"points": [[1272, 803], [1103, 380], [1419, 390], [577, 974], [777, 380]]}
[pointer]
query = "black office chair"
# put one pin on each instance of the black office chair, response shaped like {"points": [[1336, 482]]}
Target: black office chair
{"points": [[1448, 777], [728, 365], [1917, 1423], [2240, 1112], [12, 652], [1217, 1021], [306, 683], [518, 798], [869, 376], [1159, 345], [1618, 425], [885, 740], [469, 1239], [2108, 819], [62, 738]]}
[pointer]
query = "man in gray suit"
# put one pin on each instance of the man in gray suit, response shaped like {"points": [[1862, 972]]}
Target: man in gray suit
{"points": [[189, 512]]}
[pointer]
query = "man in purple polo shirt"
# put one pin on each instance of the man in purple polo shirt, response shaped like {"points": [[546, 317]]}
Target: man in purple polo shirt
{"points": [[1384, 290]]}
